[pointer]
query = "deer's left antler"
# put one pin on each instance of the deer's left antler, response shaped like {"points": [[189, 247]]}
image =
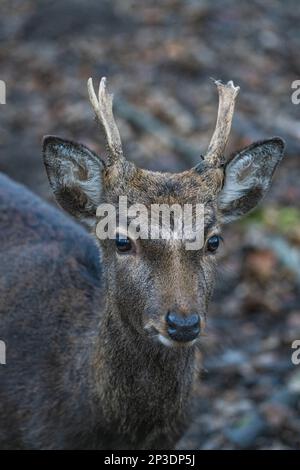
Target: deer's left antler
{"points": [[227, 96]]}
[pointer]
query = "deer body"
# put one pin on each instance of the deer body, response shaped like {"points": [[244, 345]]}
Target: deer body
{"points": [[104, 383], [101, 337]]}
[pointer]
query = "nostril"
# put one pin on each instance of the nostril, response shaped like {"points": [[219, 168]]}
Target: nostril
{"points": [[173, 320], [192, 320]]}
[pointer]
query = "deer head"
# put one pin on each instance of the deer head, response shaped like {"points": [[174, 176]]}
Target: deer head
{"points": [[158, 288]]}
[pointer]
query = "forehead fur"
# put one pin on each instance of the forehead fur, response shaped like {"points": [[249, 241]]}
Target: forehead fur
{"points": [[149, 187]]}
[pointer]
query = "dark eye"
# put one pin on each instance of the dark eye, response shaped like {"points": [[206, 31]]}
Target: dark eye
{"points": [[123, 243], [213, 243]]}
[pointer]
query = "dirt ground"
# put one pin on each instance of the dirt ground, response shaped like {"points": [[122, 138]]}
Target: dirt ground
{"points": [[159, 57]]}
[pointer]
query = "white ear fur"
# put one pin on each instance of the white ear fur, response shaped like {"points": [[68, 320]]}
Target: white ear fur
{"points": [[235, 185]]}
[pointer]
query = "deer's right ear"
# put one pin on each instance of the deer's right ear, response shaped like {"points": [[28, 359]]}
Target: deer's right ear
{"points": [[74, 174]]}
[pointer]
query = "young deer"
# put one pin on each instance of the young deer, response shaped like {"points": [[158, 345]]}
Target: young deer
{"points": [[102, 354]]}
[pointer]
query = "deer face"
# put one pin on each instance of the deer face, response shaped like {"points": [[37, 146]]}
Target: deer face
{"points": [[160, 287]]}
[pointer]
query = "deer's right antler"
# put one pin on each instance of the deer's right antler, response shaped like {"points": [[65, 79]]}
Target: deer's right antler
{"points": [[104, 113]]}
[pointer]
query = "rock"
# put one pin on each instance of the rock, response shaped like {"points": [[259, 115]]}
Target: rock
{"points": [[245, 431]]}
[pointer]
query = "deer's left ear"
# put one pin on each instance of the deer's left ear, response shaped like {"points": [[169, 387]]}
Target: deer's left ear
{"points": [[248, 176]]}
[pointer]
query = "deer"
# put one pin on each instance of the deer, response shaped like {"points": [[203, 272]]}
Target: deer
{"points": [[101, 335]]}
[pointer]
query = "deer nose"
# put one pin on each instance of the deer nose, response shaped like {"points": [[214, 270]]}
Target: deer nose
{"points": [[183, 328]]}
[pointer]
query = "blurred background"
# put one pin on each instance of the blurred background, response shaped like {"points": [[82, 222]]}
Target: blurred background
{"points": [[159, 57]]}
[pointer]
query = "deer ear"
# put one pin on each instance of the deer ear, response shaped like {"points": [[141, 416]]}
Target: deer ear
{"points": [[74, 174], [248, 176]]}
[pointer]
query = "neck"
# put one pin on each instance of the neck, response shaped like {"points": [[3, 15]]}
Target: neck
{"points": [[140, 382], [127, 346]]}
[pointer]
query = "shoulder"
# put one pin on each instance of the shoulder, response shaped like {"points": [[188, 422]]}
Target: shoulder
{"points": [[32, 229]]}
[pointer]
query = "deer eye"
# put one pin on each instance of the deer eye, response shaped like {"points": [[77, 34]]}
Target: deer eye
{"points": [[213, 243], [123, 244]]}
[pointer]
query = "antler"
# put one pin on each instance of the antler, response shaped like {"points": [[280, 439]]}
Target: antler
{"points": [[104, 113], [227, 96]]}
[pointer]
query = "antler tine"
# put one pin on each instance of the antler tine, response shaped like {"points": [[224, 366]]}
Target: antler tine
{"points": [[104, 113], [227, 96]]}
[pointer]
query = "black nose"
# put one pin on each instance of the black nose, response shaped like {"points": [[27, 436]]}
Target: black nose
{"points": [[183, 328]]}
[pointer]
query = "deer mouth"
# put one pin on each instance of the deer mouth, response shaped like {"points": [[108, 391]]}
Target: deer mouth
{"points": [[166, 340], [169, 342]]}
